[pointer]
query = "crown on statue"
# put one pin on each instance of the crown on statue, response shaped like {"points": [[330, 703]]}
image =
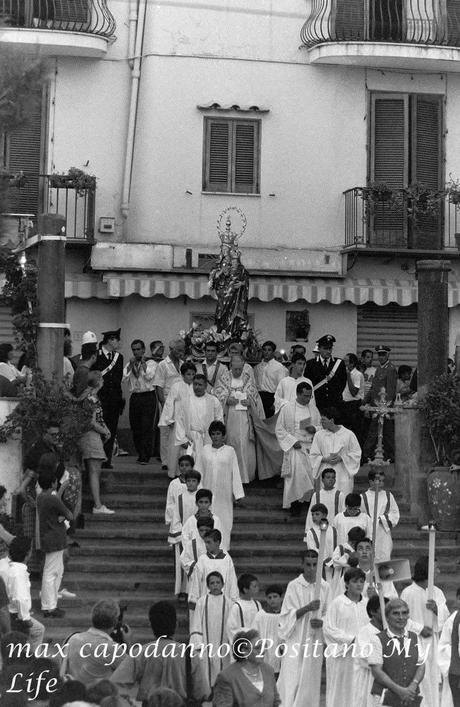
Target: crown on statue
{"points": [[229, 237]]}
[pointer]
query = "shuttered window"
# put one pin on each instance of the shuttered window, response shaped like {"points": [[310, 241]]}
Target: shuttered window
{"points": [[23, 152], [406, 147], [71, 12], [232, 156], [391, 325]]}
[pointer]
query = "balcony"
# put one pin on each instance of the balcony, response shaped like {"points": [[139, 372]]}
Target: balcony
{"points": [[379, 222], [415, 35], [58, 27], [55, 195]]}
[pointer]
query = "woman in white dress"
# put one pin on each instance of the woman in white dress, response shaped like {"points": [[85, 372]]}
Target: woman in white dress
{"points": [[240, 399]]}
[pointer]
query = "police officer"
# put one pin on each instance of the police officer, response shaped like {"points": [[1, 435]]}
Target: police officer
{"points": [[328, 374]]}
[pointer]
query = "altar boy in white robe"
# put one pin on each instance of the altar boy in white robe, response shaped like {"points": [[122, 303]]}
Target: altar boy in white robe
{"points": [[337, 447], [218, 465], [207, 627], [416, 597], [387, 513], [213, 560], [329, 495], [194, 414], [180, 390], [295, 427], [300, 629]]}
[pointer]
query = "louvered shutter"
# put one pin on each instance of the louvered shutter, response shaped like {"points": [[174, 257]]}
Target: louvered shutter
{"points": [[349, 20], [7, 332], [71, 13], [453, 22], [24, 153], [389, 166], [426, 165], [245, 156], [386, 20], [392, 325], [218, 157]]}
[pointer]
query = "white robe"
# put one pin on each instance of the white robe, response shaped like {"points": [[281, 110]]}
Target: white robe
{"points": [[267, 626], [241, 616], [416, 598], [221, 475], [343, 524], [190, 529], [207, 627], [444, 656], [312, 539], [213, 373], [175, 488], [362, 674], [193, 549], [205, 565], [296, 469], [383, 543], [342, 442], [300, 676], [184, 508], [179, 392], [286, 391], [327, 498], [344, 618], [192, 419]]}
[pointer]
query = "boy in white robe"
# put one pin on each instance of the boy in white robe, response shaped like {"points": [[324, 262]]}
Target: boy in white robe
{"points": [[194, 414], [295, 428], [335, 446], [432, 614], [363, 558], [213, 560], [362, 674], [266, 623], [301, 624], [351, 517], [313, 538], [180, 390], [387, 512], [345, 616], [203, 501], [183, 509], [286, 391], [244, 610], [329, 495], [195, 547], [218, 465], [207, 627], [176, 486], [449, 657]]}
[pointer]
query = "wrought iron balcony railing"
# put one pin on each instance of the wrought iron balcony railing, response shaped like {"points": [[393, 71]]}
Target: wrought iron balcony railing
{"points": [[55, 194], [429, 22], [88, 16], [396, 221]]}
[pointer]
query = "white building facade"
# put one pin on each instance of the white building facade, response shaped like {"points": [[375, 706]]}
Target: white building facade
{"points": [[279, 109]]}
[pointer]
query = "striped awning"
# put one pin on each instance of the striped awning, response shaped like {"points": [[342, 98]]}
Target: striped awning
{"points": [[266, 289]]}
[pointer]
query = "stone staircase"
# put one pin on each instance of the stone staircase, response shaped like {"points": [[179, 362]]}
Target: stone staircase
{"points": [[126, 556]]}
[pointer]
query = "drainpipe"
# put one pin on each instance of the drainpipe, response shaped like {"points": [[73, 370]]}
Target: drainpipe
{"points": [[135, 78], [132, 31]]}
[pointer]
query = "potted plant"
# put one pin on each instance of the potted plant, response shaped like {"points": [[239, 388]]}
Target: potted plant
{"points": [[441, 410], [378, 192], [420, 200], [74, 179]]}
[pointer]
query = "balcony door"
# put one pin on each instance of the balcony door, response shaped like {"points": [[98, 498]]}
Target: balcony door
{"points": [[406, 146], [385, 20]]}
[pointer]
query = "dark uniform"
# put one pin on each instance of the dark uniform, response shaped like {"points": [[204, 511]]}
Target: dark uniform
{"points": [[329, 394], [110, 395]]}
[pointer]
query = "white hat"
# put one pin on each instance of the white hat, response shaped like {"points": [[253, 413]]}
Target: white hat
{"points": [[89, 337]]}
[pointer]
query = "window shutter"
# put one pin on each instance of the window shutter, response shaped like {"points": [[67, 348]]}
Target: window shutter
{"points": [[24, 153], [349, 20], [426, 164], [389, 166], [71, 11], [218, 165], [395, 325], [453, 22], [245, 158]]}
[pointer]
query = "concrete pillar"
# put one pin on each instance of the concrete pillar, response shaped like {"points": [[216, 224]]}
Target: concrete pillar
{"points": [[433, 320], [411, 468], [51, 295]]}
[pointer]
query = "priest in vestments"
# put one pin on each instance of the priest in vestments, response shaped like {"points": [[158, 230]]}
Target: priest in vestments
{"points": [[179, 392], [240, 401], [300, 628], [194, 414], [296, 425], [336, 447], [218, 465]]}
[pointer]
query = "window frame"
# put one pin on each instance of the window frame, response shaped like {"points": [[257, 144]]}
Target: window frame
{"points": [[232, 123]]}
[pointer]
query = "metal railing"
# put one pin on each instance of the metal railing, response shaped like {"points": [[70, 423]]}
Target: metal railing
{"points": [[77, 205], [396, 222], [88, 16], [430, 22]]}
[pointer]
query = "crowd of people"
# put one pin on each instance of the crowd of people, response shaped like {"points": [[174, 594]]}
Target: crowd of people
{"points": [[217, 426]]}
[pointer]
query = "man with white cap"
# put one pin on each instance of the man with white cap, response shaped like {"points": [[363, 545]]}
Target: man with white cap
{"points": [[85, 364]]}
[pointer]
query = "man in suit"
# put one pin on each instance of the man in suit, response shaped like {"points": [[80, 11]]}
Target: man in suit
{"points": [[110, 362], [328, 375]]}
